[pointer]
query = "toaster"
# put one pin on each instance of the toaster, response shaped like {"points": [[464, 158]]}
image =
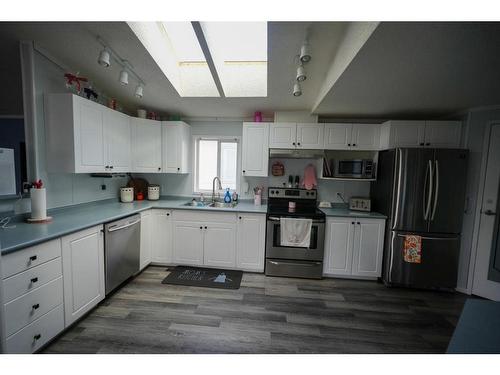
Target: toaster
{"points": [[360, 204]]}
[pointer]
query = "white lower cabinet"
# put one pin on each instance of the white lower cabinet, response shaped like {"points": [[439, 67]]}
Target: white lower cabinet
{"points": [[219, 245], [83, 270], [161, 236], [146, 238], [251, 242], [188, 243], [354, 247]]}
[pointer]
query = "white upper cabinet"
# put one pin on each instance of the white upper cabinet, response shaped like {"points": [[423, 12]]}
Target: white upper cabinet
{"points": [[345, 136], [443, 134], [146, 145], [365, 137], [176, 140], [282, 135], [74, 136], [117, 135], [293, 135], [255, 149], [310, 136], [435, 134], [338, 136]]}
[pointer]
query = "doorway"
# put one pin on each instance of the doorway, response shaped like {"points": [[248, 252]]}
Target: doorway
{"points": [[487, 266]]}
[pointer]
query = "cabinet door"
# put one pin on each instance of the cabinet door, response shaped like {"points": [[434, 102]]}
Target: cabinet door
{"points": [[162, 236], [117, 139], [188, 243], [282, 135], [338, 136], [146, 238], [83, 272], [443, 134], [338, 246], [146, 145], [251, 242], [219, 245], [89, 138], [310, 136], [368, 247], [176, 145], [255, 149], [365, 136], [407, 134]]}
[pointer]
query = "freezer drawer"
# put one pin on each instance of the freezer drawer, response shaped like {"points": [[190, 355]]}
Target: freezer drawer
{"points": [[438, 266]]}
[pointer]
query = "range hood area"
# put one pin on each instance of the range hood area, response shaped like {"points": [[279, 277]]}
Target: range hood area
{"points": [[296, 153]]}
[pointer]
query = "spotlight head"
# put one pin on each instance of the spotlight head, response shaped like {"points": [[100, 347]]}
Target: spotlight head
{"points": [[296, 89], [104, 58]]}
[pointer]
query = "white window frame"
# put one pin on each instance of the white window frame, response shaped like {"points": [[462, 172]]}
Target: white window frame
{"points": [[196, 144]]}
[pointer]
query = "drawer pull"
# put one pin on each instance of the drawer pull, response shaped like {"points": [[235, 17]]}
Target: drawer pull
{"points": [[34, 280], [36, 306], [37, 337], [32, 258]]}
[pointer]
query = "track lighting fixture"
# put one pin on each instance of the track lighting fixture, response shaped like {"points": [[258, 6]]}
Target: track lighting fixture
{"points": [[297, 91], [139, 91], [104, 58], [301, 73], [123, 77], [305, 55]]}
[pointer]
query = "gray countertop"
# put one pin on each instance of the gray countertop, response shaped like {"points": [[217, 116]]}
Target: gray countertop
{"points": [[75, 218]]}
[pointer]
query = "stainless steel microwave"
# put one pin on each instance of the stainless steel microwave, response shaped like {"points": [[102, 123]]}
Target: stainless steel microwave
{"points": [[354, 168]]}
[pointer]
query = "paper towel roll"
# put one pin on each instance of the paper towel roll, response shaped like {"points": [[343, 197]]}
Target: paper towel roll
{"points": [[38, 204]]}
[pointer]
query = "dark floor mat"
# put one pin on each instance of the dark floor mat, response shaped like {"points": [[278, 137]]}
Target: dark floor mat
{"points": [[204, 277]]}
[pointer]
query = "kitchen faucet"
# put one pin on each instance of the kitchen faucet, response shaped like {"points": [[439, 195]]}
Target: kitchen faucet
{"points": [[219, 187]]}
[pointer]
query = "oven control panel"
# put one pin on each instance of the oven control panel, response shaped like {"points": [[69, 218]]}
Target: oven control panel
{"points": [[288, 193]]}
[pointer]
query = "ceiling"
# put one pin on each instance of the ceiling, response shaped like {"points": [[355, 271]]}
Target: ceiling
{"points": [[410, 70], [75, 45], [403, 70]]}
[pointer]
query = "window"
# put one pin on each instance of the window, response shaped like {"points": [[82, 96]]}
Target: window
{"points": [[216, 157]]}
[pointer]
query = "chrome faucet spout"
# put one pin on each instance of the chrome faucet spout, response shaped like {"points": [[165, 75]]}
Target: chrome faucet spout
{"points": [[219, 187]]}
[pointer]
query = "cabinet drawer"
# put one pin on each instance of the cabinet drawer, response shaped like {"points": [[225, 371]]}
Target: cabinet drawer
{"points": [[203, 216], [30, 257], [35, 335], [24, 282], [24, 310]]}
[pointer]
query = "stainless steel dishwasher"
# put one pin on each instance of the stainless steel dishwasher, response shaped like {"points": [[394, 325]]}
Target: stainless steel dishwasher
{"points": [[122, 243]]}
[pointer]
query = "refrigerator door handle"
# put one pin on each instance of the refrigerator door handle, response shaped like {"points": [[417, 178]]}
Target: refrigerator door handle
{"points": [[392, 256], [436, 193], [433, 238], [427, 207], [398, 196]]}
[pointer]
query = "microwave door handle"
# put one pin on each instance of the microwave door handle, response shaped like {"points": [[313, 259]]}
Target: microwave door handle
{"points": [[436, 193]]}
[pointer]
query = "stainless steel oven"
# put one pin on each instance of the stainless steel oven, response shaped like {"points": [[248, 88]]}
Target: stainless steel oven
{"points": [[306, 262]]}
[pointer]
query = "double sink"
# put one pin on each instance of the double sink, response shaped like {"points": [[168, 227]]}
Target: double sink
{"points": [[210, 204]]}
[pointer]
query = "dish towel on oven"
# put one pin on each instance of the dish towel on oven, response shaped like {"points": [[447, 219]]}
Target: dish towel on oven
{"points": [[295, 232]]}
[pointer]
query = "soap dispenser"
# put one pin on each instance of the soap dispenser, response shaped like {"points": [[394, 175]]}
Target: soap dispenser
{"points": [[227, 196]]}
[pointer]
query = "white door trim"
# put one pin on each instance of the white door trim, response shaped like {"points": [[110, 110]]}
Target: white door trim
{"points": [[479, 203]]}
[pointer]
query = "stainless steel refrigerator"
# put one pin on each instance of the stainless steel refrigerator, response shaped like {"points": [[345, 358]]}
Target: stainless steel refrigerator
{"points": [[422, 192]]}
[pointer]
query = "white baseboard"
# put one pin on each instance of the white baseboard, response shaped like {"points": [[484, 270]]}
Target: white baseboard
{"points": [[463, 290]]}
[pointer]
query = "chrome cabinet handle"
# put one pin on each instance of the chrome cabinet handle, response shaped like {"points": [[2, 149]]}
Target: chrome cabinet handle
{"points": [[37, 337], [429, 192], [34, 280], [33, 258]]}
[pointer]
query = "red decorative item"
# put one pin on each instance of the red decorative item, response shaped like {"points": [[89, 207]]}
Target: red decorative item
{"points": [[140, 196], [73, 79], [278, 169]]}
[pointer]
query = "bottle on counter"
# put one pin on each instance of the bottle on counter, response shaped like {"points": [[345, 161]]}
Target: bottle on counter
{"points": [[227, 196], [234, 197]]}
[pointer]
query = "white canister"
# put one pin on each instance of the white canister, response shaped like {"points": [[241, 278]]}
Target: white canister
{"points": [[141, 113], [38, 204], [153, 192], [127, 194]]}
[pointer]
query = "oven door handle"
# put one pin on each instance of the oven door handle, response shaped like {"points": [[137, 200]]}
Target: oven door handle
{"points": [[308, 264], [276, 218]]}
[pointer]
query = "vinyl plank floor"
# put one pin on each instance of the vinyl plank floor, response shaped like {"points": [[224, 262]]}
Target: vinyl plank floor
{"points": [[266, 315]]}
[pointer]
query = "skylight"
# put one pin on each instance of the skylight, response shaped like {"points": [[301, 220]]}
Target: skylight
{"points": [[238, 51], [175, 48]]}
